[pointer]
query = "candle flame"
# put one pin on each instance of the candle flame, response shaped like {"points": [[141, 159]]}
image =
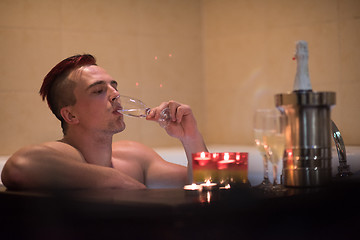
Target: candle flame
{"points": [[193, 186], [202, 154]]}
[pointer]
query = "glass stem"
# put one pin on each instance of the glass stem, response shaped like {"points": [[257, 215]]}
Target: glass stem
{"points": [[275, 169], [266, 169]]}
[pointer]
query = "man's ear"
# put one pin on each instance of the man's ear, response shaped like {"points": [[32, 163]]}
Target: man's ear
{"points": [[68, 116]]}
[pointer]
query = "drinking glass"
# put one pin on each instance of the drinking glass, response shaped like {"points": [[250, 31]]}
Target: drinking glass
{"points": [[259, 128], [274, 137], [136, 108]]}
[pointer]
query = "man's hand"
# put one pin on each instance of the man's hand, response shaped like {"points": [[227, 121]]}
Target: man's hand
{"points": [[183, 126], [182, 123]]}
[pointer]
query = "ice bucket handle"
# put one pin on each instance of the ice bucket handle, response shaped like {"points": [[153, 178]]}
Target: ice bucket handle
{"points": [[343, 168]]}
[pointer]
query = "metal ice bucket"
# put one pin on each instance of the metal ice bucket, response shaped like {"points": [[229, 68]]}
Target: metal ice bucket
{"points": [[307, 159]]}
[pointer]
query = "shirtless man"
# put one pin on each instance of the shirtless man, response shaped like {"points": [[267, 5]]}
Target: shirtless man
{"points": [[81, 95]]}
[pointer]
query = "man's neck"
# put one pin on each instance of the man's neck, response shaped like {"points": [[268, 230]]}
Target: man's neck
{"points": [[95, 149]]}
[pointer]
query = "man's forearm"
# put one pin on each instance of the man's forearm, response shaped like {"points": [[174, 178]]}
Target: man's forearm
{"points": [[193, 145], [22, 173]]}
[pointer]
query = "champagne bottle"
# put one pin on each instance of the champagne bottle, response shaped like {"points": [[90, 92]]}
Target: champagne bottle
{"points": [[302, 79]]}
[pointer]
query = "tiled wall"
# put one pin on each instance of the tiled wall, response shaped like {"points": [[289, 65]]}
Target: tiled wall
{"points": [[248, 51], [224, 58], [142, 44]]}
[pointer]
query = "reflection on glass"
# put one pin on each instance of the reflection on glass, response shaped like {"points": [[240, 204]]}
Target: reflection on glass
{"points": [[275, 140], [259, 128]]}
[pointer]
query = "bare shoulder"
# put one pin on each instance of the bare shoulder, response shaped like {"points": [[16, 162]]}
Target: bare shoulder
{"points": [[32, 166], [49, 149], [144, 164], [132, 148]]}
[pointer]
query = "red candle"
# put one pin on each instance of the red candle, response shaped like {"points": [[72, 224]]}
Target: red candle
{"points": [[239, 173], [225, 159], [201, 158], [203, 167], [241, 158], [223, 164]]}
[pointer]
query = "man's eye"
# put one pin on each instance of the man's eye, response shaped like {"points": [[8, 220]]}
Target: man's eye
{"points": [[98, 91]]}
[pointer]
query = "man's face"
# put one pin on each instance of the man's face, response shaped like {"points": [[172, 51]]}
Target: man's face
{"points": [[94, 92]]}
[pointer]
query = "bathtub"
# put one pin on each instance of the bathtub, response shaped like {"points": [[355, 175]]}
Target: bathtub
{"points": [[255, 164]]}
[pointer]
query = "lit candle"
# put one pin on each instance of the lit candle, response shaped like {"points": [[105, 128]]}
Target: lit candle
{"points": [[202, 158], [226, 187], [239, 171], [193, 187], [241, 157], [209, 186], [225, 159], [202, 166]]}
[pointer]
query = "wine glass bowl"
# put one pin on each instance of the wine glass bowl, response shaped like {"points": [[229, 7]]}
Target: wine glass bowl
{"points": [[269, 135], [259, 124], [133, 107], [274, 137]]}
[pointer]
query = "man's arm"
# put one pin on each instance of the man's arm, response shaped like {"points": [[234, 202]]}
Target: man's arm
{"points": [[58, 165], [184, 127], [157, 173]]}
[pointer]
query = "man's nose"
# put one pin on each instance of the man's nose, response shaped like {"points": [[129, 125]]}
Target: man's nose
{"points": [[114, 94], [113, 98]]}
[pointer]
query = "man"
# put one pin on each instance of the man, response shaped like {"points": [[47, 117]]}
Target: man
{"points": [[82, 96]]}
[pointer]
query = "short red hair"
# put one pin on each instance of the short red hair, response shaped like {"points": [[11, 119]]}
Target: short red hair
{"points": [[57, 89]]}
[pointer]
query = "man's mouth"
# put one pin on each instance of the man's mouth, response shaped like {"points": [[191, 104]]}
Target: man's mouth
{"points": [[117, 110]]}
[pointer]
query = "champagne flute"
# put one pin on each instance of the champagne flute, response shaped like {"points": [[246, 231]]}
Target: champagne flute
{"points": [[259, 131], [133, 107], [275, 139]]}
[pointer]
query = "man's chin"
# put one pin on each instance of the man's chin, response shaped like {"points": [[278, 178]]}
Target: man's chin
{"points": [[121, 129], [117, 129]]}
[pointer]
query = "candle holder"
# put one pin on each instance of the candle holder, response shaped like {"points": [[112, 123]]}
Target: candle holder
{"points": [[239, 170], [232, 168], [224, 163], [204, 168], [223, 168]]}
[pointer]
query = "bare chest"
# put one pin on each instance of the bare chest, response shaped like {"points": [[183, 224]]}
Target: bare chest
{"points": [[130, 168]]}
